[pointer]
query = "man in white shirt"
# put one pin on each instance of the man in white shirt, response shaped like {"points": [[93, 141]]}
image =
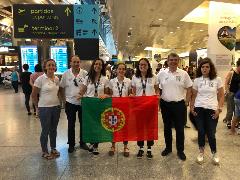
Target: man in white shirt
{"points": [[174, 82], [70, 87]]}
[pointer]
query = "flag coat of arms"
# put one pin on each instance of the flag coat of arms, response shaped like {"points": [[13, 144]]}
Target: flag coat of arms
{"points": [[120, 119]]}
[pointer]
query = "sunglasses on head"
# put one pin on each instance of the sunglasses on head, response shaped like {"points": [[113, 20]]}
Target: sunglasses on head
{"points": [[75, 82]]}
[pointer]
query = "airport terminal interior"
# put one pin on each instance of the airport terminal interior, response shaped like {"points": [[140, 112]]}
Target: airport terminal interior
{"points": [[116, 31]]}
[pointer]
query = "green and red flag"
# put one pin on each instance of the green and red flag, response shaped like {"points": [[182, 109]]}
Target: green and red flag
{"points": [[120, 119]]}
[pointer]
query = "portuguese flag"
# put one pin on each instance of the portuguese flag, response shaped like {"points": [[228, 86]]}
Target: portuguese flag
{"points": [[120, 119]]}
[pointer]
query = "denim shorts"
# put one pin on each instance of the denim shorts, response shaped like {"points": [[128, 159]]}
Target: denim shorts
{"points": [[237, 108]]}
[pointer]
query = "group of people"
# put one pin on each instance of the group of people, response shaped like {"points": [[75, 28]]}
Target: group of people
{"points": [[10, 78], [173, 86]]}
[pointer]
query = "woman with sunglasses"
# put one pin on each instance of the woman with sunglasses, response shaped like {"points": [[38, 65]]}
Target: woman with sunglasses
{"points": [[144, 83], [95, 85], [120, 87]]}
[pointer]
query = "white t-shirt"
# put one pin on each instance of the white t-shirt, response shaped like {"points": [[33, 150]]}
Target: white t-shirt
{"points": [[174, 84], [207, 92], [118, 87], [48, 91], [68, 82], [103, 83], [150, 83]]}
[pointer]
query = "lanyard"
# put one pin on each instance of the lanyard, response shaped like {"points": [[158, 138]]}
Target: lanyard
{"points": [[144, 83], [96, 86], [120, 90]]}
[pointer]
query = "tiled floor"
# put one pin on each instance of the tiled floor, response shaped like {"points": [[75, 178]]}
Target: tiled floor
{"points": [[20, 153]]}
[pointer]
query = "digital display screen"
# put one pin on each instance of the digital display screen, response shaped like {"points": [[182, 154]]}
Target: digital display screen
{"points": [[29, 55], [59, 54]]}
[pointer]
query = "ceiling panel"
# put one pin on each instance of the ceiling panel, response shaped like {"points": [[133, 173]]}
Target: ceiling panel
{"points": [[147, 30]]}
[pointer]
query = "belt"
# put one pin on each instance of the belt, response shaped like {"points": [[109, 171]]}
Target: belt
{"points": [[173, 102]]}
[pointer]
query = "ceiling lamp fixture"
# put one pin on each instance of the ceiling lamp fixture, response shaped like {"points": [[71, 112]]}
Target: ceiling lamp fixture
{"points": [[160, 19]]}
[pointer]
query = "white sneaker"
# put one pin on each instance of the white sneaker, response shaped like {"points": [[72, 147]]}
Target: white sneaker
{"points": [[215, 159], [200, 158]]}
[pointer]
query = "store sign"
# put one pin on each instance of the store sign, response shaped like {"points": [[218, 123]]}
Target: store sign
{"points": [[8, 49], [86, 22], [3, 49]]}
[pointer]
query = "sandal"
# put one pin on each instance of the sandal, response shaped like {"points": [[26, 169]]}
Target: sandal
{"points": [[55, 153], [47, 156], [126, 152], [112, 151]]}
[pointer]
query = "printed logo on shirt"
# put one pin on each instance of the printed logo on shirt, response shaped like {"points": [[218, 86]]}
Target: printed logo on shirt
{"points": [[149, 81], [178, 78], [211, 84]]}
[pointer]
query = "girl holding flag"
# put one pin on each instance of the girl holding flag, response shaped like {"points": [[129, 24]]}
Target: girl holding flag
{"points": [[120, 87], [144, 83], [95, 85]]}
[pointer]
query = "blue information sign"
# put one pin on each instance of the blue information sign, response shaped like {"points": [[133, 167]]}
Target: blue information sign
{"points": [[86, 21], [29, 55], [59, 54]]}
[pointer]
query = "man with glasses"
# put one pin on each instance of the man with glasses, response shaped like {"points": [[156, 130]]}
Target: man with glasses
{"points": [[174, 82], [70, 87]]}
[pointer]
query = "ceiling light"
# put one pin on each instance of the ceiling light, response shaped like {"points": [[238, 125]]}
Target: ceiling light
{"points": [[178, 27], [156, 49], [194, 42], [160, 19], [201, 30], [126, 41], [130, 28], [171, 32]]}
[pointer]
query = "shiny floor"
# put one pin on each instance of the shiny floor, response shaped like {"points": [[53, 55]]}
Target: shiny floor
{"points": [[20, 153]]}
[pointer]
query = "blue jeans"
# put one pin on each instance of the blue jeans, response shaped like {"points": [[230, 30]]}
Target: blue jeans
{"points": [[49, 117], [206, 126]]}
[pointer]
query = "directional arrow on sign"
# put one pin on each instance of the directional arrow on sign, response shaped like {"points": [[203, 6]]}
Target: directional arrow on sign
{"points": [[67, 11], [94, 10], [94, 21], [94, 32]]}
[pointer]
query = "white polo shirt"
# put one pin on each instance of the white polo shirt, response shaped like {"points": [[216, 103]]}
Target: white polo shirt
{"points": [[71, 90], [150, 83], [48, 91], [207, 92], [120, 87], [103, 83], [174, 84]]}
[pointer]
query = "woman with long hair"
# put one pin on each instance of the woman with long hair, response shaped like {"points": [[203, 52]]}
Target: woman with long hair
{"points": [[95, 85], [120, 86], [48, 104], [144, 83], [206, 105]]}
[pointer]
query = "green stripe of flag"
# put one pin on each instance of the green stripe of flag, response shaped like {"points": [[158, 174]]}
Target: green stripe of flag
{"points": [[93, 131]]}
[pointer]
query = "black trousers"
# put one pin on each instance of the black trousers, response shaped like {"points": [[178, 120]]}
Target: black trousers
{"points": [[15, 86], [173, 112], [206, 125], [141, 143], [71, 110], [27, 99]]}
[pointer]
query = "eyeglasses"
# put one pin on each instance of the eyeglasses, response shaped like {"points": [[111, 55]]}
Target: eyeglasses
{"points": [[75, 82]]}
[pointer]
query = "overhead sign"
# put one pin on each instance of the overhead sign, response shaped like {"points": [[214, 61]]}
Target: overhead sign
{"points": [[86, 22], [43, 21]]}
